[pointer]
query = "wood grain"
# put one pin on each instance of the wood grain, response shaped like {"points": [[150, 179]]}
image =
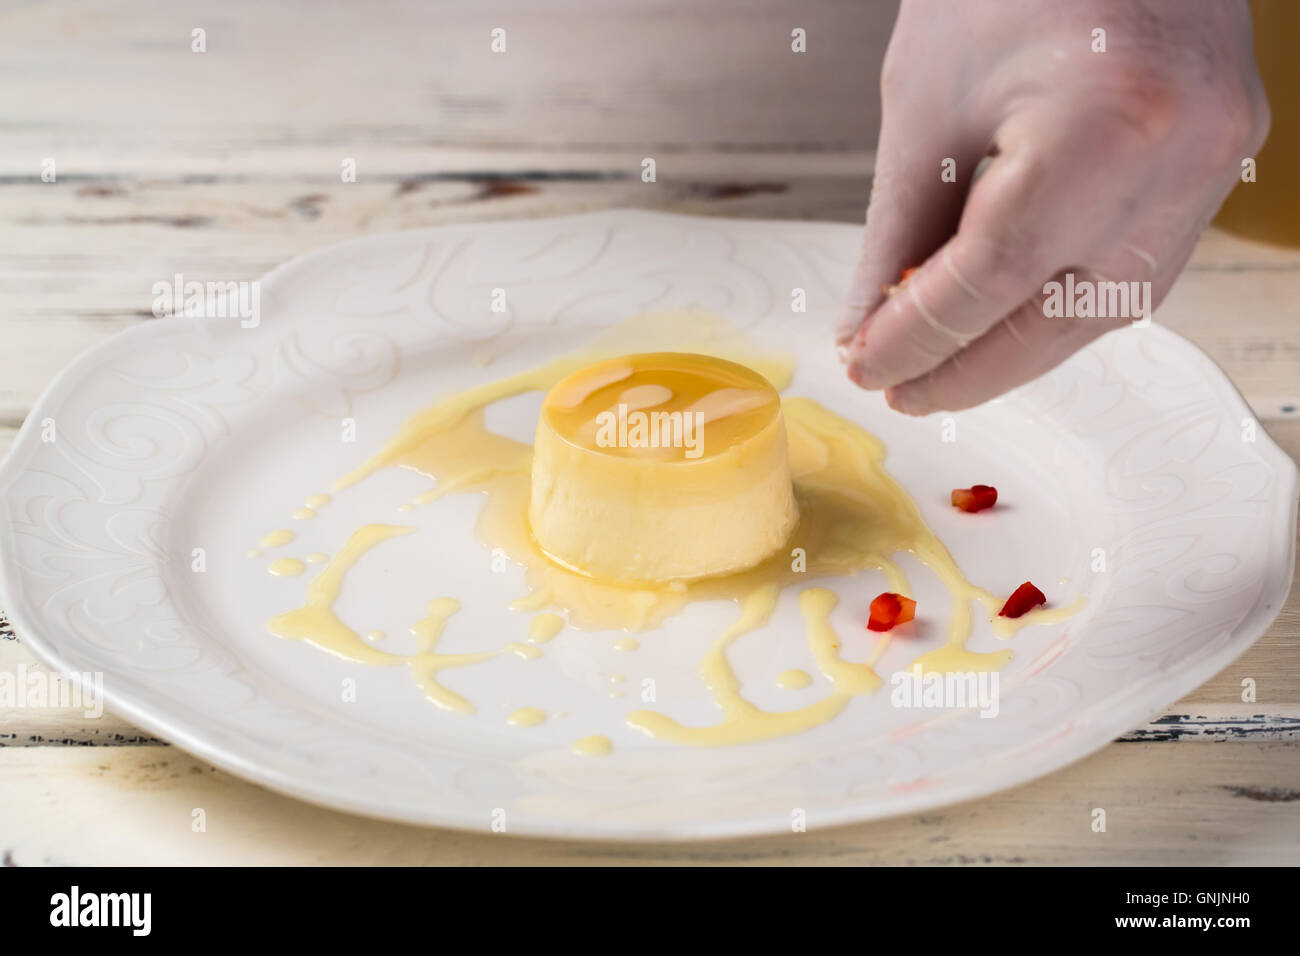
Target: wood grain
{"points": [[135, 805], [293, 87]]}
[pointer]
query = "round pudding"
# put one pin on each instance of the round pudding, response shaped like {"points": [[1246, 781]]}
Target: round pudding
{"points": [[664, 466]]}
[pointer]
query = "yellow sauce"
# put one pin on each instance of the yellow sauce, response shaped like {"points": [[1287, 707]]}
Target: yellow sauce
{"points": [[626, 644], [595, 745], [317, 624], [286, 567], [853, 517], [427, 664], [543, 627], [793, 680], [317, 501], [1007, 627], [527, 717], [302, 514], [276, 539]]}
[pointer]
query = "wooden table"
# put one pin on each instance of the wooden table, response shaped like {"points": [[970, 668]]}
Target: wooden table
{"points": [[169, 162]]}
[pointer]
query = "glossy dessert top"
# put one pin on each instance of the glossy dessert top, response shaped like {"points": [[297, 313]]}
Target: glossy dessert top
{"points": [[661, 406]]}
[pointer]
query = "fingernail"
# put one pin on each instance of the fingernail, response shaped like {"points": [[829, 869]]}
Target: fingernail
{"points": [[859, 374]]}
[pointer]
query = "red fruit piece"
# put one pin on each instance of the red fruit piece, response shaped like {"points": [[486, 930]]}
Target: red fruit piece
{"points": [[902, 281], [974, 498], [1026, 598], [890, 609]]}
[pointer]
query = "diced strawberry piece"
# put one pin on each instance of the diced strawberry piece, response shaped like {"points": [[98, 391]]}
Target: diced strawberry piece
{"points": [[1026, 598], [889, 610], [974, 498], [907, 274]]}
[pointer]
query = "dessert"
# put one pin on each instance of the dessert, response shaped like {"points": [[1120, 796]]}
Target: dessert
{"points": [[663, 466]]}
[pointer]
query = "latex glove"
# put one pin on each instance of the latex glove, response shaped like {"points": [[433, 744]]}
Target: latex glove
{"points": [[1108, 165]]}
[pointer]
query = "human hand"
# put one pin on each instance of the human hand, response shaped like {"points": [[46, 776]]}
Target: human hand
{"points": [[1104, 164]]}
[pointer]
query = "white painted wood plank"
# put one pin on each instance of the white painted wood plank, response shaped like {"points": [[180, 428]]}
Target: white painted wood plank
{"points": [[115, 85], [1196, 721], [134, 805], [84, 163]]}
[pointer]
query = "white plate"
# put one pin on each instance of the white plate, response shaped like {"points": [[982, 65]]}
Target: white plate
{"points": [[184, 434]]}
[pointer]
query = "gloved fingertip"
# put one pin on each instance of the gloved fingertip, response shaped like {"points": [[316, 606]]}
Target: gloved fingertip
{"points": [[860, 371], [847, 326], [907, 401]]}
